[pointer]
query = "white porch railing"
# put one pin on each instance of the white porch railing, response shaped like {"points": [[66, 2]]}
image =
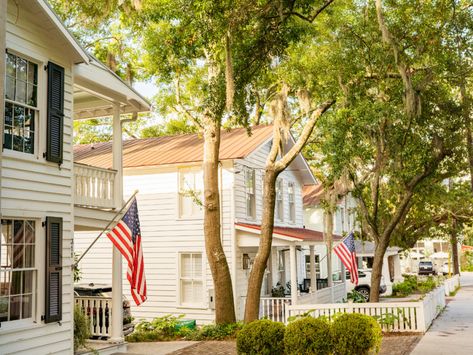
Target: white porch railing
{"points": [[334, 294], [99, 312], [94, 186], [397, 316]]}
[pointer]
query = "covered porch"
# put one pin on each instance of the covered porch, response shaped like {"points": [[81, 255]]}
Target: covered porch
{"points": [[98, 192], [289, 278]]}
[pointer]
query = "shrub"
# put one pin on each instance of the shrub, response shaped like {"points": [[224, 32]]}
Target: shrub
{"points": [[355, 334], [263, 337], [356, 297], [402, 289], [427, 285], [212, 332], [160, 328], [81, 328], [308, 336]]}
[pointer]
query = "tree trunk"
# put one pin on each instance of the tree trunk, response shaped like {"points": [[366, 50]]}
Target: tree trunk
{"points": [[259, 265], [224, 303], [454, 246], [328, 216], [377, 269]]}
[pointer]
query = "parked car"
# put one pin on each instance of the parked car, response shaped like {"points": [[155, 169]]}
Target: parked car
{"points": [[104, 290], [426, 268], [364, 284], [445, 269]]}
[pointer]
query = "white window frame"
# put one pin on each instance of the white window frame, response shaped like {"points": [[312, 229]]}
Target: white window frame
{"points": [[279, 205], [39, 109], [197, 210], [250, 193], [180, 279], [38, 278], [291, 198]]}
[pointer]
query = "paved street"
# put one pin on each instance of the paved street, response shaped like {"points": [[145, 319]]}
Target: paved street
{"points": [[452, 332]]}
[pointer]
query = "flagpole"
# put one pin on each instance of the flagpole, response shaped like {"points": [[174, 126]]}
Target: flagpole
{"points": [[108, 225]]}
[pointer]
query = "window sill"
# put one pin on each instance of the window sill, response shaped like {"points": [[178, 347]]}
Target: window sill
{"points": [[9, 153], [190, 218]]}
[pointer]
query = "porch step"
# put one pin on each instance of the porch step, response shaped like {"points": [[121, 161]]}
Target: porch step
{"points": [[102, 347]]}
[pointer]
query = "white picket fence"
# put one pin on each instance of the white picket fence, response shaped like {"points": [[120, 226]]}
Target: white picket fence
{"points": [[395, 317], [451, 284]]}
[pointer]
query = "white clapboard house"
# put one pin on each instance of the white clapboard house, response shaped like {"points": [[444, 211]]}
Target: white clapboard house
{"points": [[48, 80], [345, 221], [179, 281]]}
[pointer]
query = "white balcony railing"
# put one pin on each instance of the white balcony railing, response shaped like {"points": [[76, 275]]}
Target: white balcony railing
{"points": [[99, 312], [94, 187]]}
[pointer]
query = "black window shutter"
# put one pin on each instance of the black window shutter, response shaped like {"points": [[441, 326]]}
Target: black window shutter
{"points": [[55, 113], [53, 270]]}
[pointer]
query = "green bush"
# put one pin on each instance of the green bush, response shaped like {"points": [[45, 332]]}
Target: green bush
{"points": [[308, 336], [212, 332], [427, 285], [403, 289], [355, 334], [262, 337], [81, 328], [356, 297], [160, 328]]}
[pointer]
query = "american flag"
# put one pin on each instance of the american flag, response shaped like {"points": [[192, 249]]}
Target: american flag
{"points": [[126, 236], [347, 254]]}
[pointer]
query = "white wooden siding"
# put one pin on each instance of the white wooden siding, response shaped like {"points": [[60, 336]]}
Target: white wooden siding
{"points": [[164, 235], [34, 188], [257, 161]]}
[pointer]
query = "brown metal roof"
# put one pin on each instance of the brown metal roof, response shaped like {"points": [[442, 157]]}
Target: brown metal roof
{"points": [[312, 194], [186, 148], [303, 234]]}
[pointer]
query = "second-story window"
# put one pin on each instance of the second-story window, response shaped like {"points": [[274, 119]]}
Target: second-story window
{"points": [[291, 200], [21, 104], [190, 192], [279, 208], [250, 193]]}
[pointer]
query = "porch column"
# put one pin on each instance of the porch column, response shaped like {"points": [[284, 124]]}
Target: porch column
{"points": [[292, 259], [387, 277], [3, 22], [117, 288], [397, 268], [313, 276]]}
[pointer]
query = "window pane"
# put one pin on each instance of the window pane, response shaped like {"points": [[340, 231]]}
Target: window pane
{"points": [[29, 255], [197, 264], [198, 290], [18, 250], [11, 65], [8, 114], [28, 141], [21, 68], [18, 235], [4, 309], [4, 283], [20, 92], [186, 292], [186, 265], [27, 306], [19, 119], [29, 231], [6, 256], [8, 137], [15, 288], [7, 231], [18, 139], [31, 95], [27, 281], [32, 73], [10, 88], [15, 307]]}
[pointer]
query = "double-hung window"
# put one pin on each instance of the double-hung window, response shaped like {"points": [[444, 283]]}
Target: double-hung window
{"points": [[191, 279], [21, 104], [291, 200], [190, 192], [17, 270], [250, 193], [279, 200]]}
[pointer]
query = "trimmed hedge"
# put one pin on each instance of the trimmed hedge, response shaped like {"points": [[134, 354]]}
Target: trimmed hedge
{"points": [[262, 337], [308, 336], [356, 334]]}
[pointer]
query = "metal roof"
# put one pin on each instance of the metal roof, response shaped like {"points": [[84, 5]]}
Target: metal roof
{"points": [[178, 149]]}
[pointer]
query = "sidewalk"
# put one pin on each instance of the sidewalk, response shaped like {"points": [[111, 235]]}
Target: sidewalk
{"points": [[452, 332]]}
